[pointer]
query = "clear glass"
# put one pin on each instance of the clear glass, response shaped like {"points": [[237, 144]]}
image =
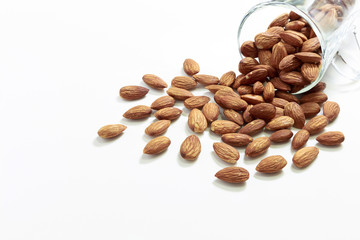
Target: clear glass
{"points": [[330, 20]]}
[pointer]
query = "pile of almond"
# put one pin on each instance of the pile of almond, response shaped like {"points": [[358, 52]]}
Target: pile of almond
{"points": [[257, 99]]}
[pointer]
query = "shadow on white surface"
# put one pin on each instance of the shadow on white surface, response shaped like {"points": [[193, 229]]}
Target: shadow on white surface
{"points": [[185, 163], [149, 158], [219, 161], [295, 169], [213, 135], [329, 148], [233, 187], [253, 160], [132, 122], [268, 176], [100, 142]]}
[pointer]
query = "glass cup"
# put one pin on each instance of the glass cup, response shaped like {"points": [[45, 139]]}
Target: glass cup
{"points": [[331, 20]]}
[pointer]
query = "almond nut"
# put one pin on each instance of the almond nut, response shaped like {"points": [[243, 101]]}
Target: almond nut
{"points": [[305, 156], [257, 147], [190, 148], [233, 174], [331, 138], [226, 152], [112, 130], [271, 164], [157, 145]]}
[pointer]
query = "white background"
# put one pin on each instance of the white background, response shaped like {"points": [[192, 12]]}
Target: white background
{"points": [[62, 65]]}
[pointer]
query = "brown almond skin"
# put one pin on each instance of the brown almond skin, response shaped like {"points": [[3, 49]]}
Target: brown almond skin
{"points": [[215, 88], [154, 81], [179, 93], [206, 79], [266, 40], [257, 147], [269, 92], [245, 89], [305, 156], [310, 71], [292, 78], [287, 96], [230, 102], [279, 102], [289, 63], [316, 124], [291, 39], [282, 135], [293, 110], [157, 128], [264, 57], [271, 164], [236, 139], [252, 99], [293, 16], [226, 152], [280, 85], [318, 87], [279, 112], [133, 92], [197, 121], [310, 109], [138, 112], [258, 88], [294, 25], [311, 45], [163, 102], [190, 148], [275, 30], [265, 111], [234, 116], [169, 113], [196, 102], [191, 67], [280, 20], [272, 72], [254, 76], [228, 78], [246, 114], [331, 110], [183, 82], [221, 127], [253, 127], [111, 131], [211, 112], [331, 138], [308, 57], [300, 139], [280, 123], [157, 145], [233, 174], [248, 49], [247, 65], [278, 53]]}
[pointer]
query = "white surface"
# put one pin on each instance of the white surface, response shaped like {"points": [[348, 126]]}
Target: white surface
{"points": [[62, 64]]}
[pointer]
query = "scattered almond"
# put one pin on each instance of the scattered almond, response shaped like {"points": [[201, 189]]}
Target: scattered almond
{"points": [[226, 152], [257, 147], [233, 174], [310, 109], [227, 79], [163, 102], [253, 127], [331, 110], [211, 111], [183, 82], [190, 148], [191, 67], [280, 123], [197, 121], [154, 81], [179, 93], [331, 138], [234, 116], [236, 139], [157, 145], [282, 135], [271, 164], [300, 139], [206, 79], [196, 102], [138, 112], [305, 156], [265, 111], [168, 113], [157, 128], [316, 124], [111, 131], [133, 92], [224, 126], [293, 110]]}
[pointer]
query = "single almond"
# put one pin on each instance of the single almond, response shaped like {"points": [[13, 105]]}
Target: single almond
{"points": [[280, 123], [191, 67], [331, 138], [264, 57], [138, 112], [294, 25], [252, 98], [253, 127], [111, 131], [279, 112], [311, 45], [237, 81], [310, 109], [290, 49], [233, 174], [157, 145], [163, 102], [154, 81], [280, 85], [226, 152], [245, 89], [234, 116], [133, 92], [269, 92], [305, 156], [179, 93], [271, 71], [287, 96], [299, 34], [293, 16], [279, 102], [227, 79], [308, 57], [183, 82], [197, 121], [215, 88], [271, 164], [310, 71], [254, 76], [221, 127], [293, 110], [289, 63], [196, 102], [247, 64], [206, 79], [278, 53], [291, 39], [316, 124], [265, 111], [258, 88], [282, 135], [168, 113], [275, 30], [257, 147], [248, 49], [318, 97], [246, 114], [292, 78], [280, 21], [331, 110], [157, 128], [190, 148], [211, 112], [318, 87], [266, 40], [236, 139], [230, 101], [300, 139]]}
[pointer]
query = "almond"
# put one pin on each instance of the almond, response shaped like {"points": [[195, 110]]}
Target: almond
{"points": [[331, 138], [293, 110], [224, 126], [266, 40], [257, 147], [206, 79], [179, 93], [300, 139], [163, 102], [245, 89], [306, 31], [169, 113], [305, 156], [191, 67], [271, 164], [252, 98], [157, 145], [231, 102], [112, 130], [294, 25], [226, 152], [233, 174], [234, 116], [279, 102], [310, 109], [292, 78], [279, 112], [157, 128], [264, 57], [253, 127], [331, 110], [246, 114], [291, 39], [280, 123], [133, 92], [299, 34], [287, 96], [138, 112], [280, 20], [154, 81], [280, 85], [318, 97], [311, 45], [290, 49], [247, 64], [316, 124], [318, 87], [248, 49], [236, 139], [278, 53], [310, 71], [265, 111], [197, 121], [237, 81], [282, 135], [190, 148], [227, 79], [254, 76], [258, 88], [308, 57], [196, 102], [289, 63], [211, 111], [215, 88], [271, 71], [293, 16], [275, 30], [183, 82], [269, 92]]}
